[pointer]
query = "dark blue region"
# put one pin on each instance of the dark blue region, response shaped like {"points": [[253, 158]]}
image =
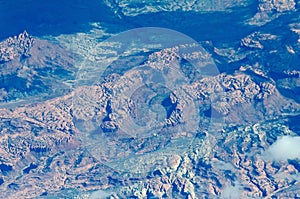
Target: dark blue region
{"points": [[5, 168], [50, 17], [54, 17], [31, 167], [218, 26]]}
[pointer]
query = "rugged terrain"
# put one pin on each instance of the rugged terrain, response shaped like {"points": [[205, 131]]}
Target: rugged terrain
{"points": [[83, 116]]}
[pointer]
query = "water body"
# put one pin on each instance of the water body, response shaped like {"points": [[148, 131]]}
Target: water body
{"points": [[57, 17], [50, 17]]}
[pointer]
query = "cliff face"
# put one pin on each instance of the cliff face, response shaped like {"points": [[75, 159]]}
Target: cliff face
{"points": [[31, 67]]}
